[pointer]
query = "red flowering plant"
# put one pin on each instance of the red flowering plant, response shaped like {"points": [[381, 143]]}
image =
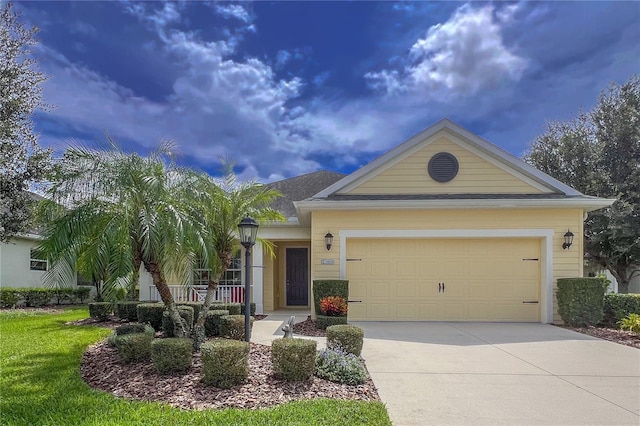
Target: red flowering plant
{"points": [[333, 306]]}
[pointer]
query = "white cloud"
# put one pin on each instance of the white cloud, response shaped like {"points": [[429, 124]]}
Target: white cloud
{"points": [[282, 57], [461, 56], [233, 11]]}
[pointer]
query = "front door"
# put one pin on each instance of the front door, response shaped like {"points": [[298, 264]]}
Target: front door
{"points": [[297, 277]]}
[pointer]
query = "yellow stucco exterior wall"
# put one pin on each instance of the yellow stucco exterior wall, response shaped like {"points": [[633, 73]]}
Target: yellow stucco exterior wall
{"points": [[565, 263], [476, 175]]}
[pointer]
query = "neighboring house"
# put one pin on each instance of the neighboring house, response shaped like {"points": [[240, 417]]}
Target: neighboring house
{"points": [[19, 266], [445, 226]]}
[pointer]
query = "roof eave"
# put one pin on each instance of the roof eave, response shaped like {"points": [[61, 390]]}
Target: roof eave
{"points": [[587, 203]]}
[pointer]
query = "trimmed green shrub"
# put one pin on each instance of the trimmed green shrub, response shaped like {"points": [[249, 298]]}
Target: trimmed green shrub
{"points": [[323, 321], [121, 330], [324, 288], [197, 306], [127, 310], [62, 294], [172, 355], [347, 337], [81, 293], [151, 313], [186, 313], [233, 308], [339, 366], [225, 363], [34, 297], [617, 306], [252, 309], [9, 297], [294, 359], [631, 322], [213, 322], [100, 310], [134, 347], [232, 326], [581, 300], [125, 329]]}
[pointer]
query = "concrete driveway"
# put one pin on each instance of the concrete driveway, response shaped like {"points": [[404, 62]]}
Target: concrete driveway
{"points": [[500, 374]]}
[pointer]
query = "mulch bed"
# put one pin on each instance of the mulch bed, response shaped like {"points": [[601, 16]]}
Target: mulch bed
{"points": [[102, 369], [614, 335], [308, 328]]}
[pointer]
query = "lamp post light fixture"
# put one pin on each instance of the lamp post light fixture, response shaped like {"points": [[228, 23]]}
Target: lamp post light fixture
{"points": [[248, 230], [328, 240], [568, 239]]}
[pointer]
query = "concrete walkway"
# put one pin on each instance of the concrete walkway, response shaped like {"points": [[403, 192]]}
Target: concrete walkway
{"points": [[270, 328], [500, 374]]}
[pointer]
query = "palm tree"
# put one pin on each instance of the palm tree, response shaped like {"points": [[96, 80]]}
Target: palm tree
{"points": [[110, 212], [222, 205]]}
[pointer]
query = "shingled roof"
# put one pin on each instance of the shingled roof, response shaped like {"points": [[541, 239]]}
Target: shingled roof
{"points": [[300, 188]]}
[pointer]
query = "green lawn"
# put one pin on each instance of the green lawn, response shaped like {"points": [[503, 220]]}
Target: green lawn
{"points": [[40, 384]]}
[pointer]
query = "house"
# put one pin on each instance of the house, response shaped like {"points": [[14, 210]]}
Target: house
{"points": [[445, 226], [19, 265]]}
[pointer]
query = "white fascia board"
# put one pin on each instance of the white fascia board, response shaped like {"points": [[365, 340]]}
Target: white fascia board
{"points": [[587, 204], [29, 236]]}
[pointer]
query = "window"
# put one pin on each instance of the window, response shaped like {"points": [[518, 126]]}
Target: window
{"points": [[232, 276], [36, 264]]}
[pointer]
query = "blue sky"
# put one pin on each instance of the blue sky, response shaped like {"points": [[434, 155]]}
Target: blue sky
{"points": [[285, 88]]}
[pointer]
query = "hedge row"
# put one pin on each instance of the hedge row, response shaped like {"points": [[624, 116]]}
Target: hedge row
{"points": [[581, 300], [34, 296], [618, 306]]}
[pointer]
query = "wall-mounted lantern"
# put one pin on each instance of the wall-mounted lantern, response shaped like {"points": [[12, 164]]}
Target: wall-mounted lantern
{"points": [[568, 239], [328, 240]]}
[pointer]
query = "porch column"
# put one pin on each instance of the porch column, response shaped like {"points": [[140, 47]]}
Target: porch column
{"points": [[257, 273]]}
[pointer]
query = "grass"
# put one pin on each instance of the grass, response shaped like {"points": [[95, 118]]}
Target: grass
{"points": [[40, 384]]}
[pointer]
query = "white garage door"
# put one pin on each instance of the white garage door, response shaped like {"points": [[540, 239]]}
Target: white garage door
{"points": [[482, 279]]}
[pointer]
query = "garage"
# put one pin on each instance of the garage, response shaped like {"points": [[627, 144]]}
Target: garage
{"points": [[444, 279]]}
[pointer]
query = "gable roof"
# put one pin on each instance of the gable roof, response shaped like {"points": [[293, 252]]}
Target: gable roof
{"points": [[554, 194], [301, 187], [480, 146]]}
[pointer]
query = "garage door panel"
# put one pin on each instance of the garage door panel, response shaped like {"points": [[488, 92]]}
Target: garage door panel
{"points": [[378, 310], [405, 289], [485, 279], [379, 290]]}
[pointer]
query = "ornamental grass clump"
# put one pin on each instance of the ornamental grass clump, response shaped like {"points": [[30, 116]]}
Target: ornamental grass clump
{"points": [[348, 337], [337, 365], [631, 323], [172, 355], [225, 363], [294, 359]]}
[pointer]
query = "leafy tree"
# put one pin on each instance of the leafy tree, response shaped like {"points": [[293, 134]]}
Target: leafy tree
{"points": [[598, 153], [22, 160], [110, 212], [222, 206]]}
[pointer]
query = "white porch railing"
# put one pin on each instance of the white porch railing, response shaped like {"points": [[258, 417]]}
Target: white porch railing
{"points": [[197, 293]]}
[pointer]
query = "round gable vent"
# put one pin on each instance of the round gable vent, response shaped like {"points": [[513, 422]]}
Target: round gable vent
{"points": [[443, 167]]}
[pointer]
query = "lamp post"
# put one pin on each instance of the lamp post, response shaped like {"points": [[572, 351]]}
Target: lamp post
{"points": [[248, 229]]}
